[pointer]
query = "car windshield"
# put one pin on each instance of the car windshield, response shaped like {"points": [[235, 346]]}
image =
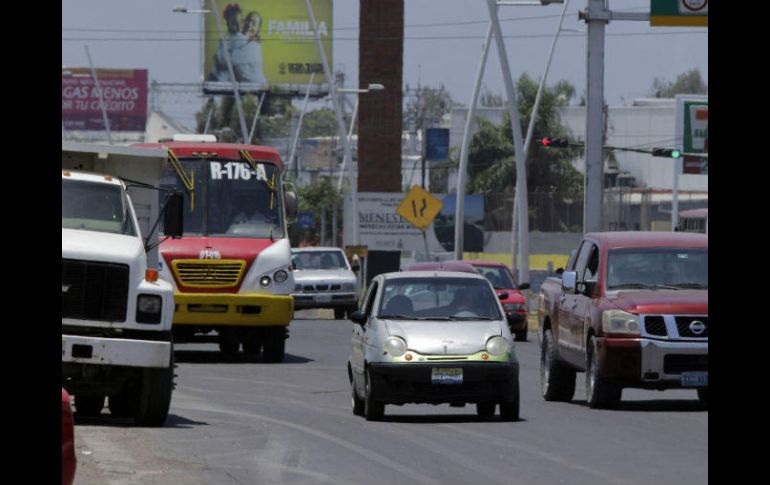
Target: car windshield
{"points": [[319, 260], [497, 275], [657, 268], [438, 298], [230, 199], [95, 206]]}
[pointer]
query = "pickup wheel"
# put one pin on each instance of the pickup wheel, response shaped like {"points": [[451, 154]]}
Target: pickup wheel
{"points": [[275, 345], [373, 410], [509, 410], [339, 313], [557, 381], [485, 409], [155, 395], [88, 406], [600, 394], [703, 395]]}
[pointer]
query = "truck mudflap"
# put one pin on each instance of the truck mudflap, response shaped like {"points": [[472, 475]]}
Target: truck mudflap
{"points": [[115, 351], [233, 310]]}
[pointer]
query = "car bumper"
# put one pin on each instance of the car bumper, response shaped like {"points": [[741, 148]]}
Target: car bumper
{"points": [[115, 351], [232, 310], [654, 364], [324, 300], [411, 383]]}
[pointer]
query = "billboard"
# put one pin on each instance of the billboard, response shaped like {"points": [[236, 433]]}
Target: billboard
{"points": [[692, 132], [270, 44], [125, 97]]}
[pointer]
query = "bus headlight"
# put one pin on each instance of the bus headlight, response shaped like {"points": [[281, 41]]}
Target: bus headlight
{"points": [[264, 281], [280, 276]]}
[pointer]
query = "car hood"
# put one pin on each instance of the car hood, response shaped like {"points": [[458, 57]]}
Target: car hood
{"points": [[660, 301], [324, 275], [444, 338], [514, 296]]}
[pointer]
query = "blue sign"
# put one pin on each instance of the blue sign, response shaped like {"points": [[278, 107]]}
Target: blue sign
{"points": [[437, 144], [305, 220]]}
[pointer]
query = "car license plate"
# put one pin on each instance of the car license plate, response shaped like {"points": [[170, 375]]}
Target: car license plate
{"points": [[446, 376], [323, 298], [695, 379]]}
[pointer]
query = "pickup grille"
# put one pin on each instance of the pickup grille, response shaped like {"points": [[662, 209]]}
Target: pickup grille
{"points": [[683, 326], [93, 290], [209, 273], [655, 325]]}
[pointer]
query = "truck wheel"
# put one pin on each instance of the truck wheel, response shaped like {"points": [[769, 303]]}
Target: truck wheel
{"points": [[509, 410], [339, 313], [557, 381], [123, 403], [373, 410], [88, 406], [521, 335], [228, 342], [275, 345], [485, 409], [252, 343], [703, 395], [600, 394], [155, 395]]}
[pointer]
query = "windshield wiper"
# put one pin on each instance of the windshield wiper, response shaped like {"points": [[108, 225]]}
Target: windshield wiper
{"points": [[691, 284], [474, 318], [398, 317], [643, 286]]}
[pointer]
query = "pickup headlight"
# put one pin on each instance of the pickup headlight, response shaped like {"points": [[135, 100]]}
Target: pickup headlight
{"points": [[618, 321], [148, 308], [395, 346], [512, 307], [497, 345]]}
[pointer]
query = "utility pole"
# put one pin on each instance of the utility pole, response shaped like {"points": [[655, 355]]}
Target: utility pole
{"points": [[101, 97]]}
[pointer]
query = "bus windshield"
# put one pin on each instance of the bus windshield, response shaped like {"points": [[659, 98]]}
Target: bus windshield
{"points": [[229, 198]]}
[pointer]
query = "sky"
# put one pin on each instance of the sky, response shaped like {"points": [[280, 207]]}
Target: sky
{"points": [[635, 53]]}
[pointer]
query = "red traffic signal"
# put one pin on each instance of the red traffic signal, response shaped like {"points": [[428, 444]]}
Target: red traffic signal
{"points": [[555, 142]]}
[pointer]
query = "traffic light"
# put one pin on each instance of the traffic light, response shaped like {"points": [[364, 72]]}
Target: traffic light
{"points": [[555, 142], [666, 152]]}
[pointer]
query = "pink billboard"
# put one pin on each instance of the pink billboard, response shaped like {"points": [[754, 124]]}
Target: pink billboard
{"points": [[124, 93]]}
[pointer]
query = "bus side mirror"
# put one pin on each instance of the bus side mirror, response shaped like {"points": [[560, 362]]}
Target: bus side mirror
{"points": [[290, 201], [173, 216]]}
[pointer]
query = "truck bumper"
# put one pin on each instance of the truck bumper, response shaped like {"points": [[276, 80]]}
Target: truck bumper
{"points": [[249, 310], [115, 351], [654, 364], [324, 300], [412, 383]]}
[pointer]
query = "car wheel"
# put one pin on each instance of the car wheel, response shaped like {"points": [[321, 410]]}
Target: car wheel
{"points": [[155, 395], [485, 409], [358, 403], [339, 313], [88, 406], [521, 335], [600, 394], [557, 381], [373, 410], [275, 346], [509, 410], [703, 395]]}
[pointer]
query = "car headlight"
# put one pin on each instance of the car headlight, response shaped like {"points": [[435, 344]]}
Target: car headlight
{"points": [[497, 345], [280, 276], [264, 281], [148, 308], [395, 346], [512, 307], [618, 321]]}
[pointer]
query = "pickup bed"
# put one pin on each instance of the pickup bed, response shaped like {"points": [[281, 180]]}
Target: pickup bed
{"points": [[630, 310]]}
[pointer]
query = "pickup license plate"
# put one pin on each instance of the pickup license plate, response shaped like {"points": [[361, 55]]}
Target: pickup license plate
{"points": [[695, 379], [323, 298], [446, 376]]}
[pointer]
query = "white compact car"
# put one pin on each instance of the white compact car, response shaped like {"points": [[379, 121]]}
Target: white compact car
{"points": [[324, 279], [433, 337]]}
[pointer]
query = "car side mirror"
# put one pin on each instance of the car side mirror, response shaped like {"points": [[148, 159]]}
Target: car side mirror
{"points": [[559, 271], [173, 216], [569, 281], [502, 296], [524, 286], [358, 317]]}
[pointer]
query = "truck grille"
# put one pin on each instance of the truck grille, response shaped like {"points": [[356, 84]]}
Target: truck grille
{"points": [[655, 325], [676, 364], [683, 326], [93, 290], [208, 273]]}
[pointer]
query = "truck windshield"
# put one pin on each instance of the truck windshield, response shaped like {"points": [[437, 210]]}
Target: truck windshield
{"points": [[95, 206], [439, 298], [230, 199], [657, 268], [319, 260]]}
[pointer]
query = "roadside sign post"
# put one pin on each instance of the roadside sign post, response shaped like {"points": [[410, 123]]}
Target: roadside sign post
{"points": [[691, 137], [420, 208]]}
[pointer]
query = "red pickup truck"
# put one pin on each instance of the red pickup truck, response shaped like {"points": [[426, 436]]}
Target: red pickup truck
{"points": [[630, 310]]}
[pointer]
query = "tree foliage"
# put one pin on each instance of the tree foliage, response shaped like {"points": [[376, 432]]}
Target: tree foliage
{"points": [[427, 107], [689, 82], [317, 198]]}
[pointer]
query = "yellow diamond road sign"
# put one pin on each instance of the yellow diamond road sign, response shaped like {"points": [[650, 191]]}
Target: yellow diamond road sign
{"points": [[419, 207]]}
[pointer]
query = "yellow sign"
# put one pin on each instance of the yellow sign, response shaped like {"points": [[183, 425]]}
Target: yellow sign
{"points": [[419, 207], [361, 251]]}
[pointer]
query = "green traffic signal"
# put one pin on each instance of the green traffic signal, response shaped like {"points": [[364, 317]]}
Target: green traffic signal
{"points": [[666, 152]]}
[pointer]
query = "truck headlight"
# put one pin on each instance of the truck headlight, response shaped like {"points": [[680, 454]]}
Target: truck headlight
{"points": [[618, 321], [512, 307], [395, 346], [280, 276], [148, 308], [497, 345]]}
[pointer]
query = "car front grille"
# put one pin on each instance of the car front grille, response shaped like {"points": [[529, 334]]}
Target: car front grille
{"points": [[209, 273], [655, 325], [94, 290], [685, 326]]}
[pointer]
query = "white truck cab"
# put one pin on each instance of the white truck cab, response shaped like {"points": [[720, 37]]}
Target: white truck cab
{"points": [[116, 311]]}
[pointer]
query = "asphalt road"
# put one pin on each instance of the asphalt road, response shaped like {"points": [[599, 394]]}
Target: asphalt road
{"points": [[248, 422]]}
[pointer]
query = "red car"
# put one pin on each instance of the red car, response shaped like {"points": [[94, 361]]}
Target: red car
{"points": [[68, 461], [503, 281]]}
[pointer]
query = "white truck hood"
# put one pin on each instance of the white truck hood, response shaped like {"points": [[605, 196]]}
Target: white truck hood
{"points": [[102, 246]]}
